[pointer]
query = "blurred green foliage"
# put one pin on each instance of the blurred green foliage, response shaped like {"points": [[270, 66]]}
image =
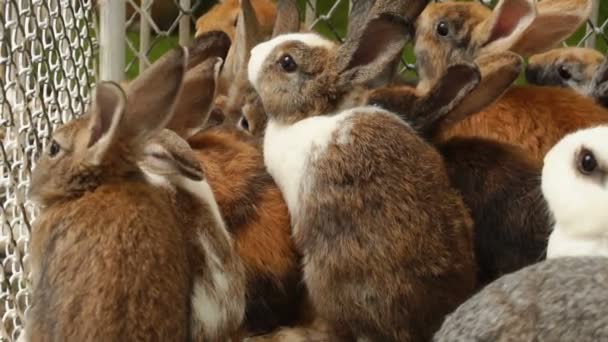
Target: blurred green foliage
{"points": [[338, 26]]}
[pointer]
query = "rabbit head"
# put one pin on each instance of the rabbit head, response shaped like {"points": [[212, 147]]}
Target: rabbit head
{"points": [[454, 31], [571, 67], [574, 181], [303, 74], [105, 144]]}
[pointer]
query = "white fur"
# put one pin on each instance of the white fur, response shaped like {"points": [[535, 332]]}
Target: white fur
{"points": [[579, 204], [261, 52], [289, 149]]}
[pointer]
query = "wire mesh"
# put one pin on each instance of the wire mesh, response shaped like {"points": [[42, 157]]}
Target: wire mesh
{"points": [[47, 55], [46, 73]]}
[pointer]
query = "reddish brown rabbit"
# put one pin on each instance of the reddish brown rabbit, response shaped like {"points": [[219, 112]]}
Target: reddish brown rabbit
{"points": [[534, 118], [250, 202]]}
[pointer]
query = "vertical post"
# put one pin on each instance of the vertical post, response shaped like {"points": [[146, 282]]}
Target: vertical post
{"points": [[184, 22], [311, 6], [593, 17], [144, 33], [112, 40]]}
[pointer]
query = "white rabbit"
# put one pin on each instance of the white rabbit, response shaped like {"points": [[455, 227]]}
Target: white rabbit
{"points": [[574, 181]]}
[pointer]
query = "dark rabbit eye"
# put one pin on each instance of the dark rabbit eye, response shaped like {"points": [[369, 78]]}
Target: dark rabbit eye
{"points": [[443, 29], [287, 63], [236, 21], [243, 123], [586, 162], [564, 73], [54, 149]]}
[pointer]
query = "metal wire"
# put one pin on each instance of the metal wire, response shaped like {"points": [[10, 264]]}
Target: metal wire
{"points": [[47, 70]]}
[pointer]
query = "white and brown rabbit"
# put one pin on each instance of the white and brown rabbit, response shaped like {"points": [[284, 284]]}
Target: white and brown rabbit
{"points": [[563, 299], [574, 185], [108, 252], [387, 244]]}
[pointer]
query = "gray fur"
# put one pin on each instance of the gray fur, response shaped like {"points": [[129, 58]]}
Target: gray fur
{"points": [[563, 299]]}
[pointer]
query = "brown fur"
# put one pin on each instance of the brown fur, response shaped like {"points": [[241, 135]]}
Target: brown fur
{"points": [[223, 17], [534, 118], [421, 265], [257, 216]]}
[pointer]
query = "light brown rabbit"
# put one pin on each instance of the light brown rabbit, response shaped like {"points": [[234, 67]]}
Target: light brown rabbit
{"points": [[569, 67], [250, 202], [224, 16], [534, 118], [387, 243]]}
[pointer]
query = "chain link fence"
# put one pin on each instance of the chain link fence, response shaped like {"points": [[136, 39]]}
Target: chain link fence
{"points": [[48, 53]]}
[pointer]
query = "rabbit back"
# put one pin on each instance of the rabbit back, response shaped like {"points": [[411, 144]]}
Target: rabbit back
{"points": [[562, 299], [379, 262], [125, 239]]}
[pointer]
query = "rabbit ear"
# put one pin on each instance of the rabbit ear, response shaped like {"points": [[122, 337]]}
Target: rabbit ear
{"points": [[105, 121], [556, 20], [168, 154], [152, 96], [208, 45], [366, 54], [457, 83], [498, 72], [288, 18], [600, 83], [196, 98], [358, 15], [506, 26], [246, 37]]}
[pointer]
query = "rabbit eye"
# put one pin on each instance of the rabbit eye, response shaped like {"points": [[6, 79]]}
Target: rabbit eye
{"points": [[443, 29], [586, 162], [287, 63], [564, 73], [236, 21], [54, 149], [243, 123]]}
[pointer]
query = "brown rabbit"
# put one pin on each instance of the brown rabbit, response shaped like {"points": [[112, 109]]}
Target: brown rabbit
{"points": [[534, 118], [499, 182], [569, 67], [106, 238], [250, 202], [387, 243], [224, 16]]}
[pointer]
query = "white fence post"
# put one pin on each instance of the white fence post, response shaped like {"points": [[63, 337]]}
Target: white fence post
{"points": [[593, 17], [184, 22], [112, 40]]}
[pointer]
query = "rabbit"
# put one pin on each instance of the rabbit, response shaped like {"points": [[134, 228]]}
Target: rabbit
{"points": [[534, 118], [218, 293], [562, 299], [387, 244], [250, 202], [599, 84], [225, 15], [498, 182], [569, 67], [106, 239], [573, 182]]}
